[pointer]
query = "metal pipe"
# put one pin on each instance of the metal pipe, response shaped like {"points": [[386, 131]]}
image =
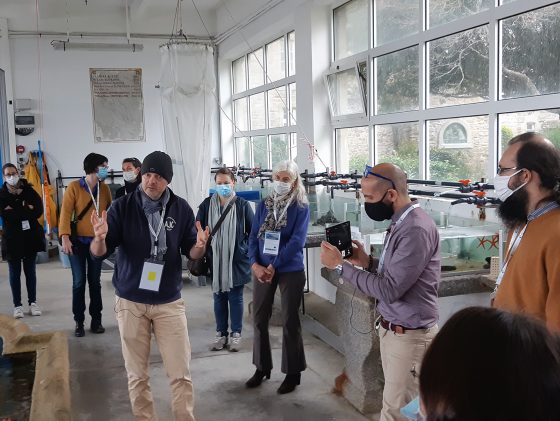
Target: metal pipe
{"points": [[192, 38]]}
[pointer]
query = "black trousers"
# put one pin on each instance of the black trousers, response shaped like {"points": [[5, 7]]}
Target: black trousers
{"points": [[291, 289]]}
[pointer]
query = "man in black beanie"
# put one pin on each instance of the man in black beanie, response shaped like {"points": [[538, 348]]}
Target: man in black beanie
{"points": [[152, 227]]}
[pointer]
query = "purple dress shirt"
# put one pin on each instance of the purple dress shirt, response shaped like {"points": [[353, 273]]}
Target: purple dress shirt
{"points": [[407, 287]]}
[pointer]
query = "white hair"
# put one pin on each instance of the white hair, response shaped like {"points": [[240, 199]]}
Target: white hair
{"points": [[292, 168]]}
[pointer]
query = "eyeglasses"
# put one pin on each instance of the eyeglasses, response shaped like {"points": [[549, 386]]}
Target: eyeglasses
{"points": [[368, 171], [502, 169]]}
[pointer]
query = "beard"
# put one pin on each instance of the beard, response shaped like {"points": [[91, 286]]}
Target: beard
{"points": [[513, 211]]}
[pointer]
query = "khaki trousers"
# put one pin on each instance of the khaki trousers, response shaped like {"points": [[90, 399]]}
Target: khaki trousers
{"points": [[169, 324], [401, 357]]}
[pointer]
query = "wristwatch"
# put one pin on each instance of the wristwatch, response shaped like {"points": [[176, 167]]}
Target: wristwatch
{"points": [[338, 271]]}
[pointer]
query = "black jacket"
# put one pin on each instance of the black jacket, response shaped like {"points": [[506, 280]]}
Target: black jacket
{"points": [[241, 266], [128, 187], [128, 230], [14, 210]]}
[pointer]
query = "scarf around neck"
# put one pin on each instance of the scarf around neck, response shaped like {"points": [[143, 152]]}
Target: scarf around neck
{"points": [[153, 210], [276, 204], [223, 243]]}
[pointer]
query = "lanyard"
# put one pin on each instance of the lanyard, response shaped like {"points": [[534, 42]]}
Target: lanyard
{"points": [[276, 218], [156, 234], [95, 203], [404, 215], [513, 245]]}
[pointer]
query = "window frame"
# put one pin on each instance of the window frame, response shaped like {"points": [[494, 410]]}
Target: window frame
{"points": [[492, 108], [284, 83]]}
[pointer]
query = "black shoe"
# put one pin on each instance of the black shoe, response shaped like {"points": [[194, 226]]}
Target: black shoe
{"points": [[79, 331], [257, 378], [289, 383], [97, 328]]}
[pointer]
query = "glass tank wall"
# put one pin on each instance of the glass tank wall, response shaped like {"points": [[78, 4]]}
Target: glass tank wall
{"points": [[466, 244]]}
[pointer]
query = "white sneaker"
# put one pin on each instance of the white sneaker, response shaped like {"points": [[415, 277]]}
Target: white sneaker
{"points": [[219, 342], [18, 312], [34, 309], [235, 343]]}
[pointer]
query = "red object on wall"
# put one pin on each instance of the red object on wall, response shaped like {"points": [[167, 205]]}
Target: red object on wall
{"points": [[20, 149]]}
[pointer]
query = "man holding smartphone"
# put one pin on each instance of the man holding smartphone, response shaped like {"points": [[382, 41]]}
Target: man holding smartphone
{"points": [[404, 280]]}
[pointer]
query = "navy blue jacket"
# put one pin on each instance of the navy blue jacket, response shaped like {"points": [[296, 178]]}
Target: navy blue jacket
{"points": [[241, 267], [292, 240], [128, 230]]}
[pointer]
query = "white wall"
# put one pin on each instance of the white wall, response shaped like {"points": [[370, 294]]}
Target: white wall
{"points": [[62, 100]]}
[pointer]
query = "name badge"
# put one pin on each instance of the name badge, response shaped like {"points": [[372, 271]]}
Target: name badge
{"points": [[151, 275], [271, 243], [25, 225]]}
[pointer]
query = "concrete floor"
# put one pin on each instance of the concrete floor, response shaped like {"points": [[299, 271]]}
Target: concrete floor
{"points": [[98, 377]]}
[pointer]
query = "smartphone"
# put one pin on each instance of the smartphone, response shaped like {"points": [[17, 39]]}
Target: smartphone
{"points": [[339, 236]]}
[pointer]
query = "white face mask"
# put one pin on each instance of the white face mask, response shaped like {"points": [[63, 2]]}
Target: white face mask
{"points": [[129, 176], [281, 188], [12, 180], [501, 186]]}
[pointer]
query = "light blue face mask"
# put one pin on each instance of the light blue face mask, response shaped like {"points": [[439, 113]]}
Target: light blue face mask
{"points": [[102, 173], [224, 190], [412, 410]]}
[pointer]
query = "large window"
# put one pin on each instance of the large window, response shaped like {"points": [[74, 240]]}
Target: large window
{"points": [[439, 87], [264, 104]]}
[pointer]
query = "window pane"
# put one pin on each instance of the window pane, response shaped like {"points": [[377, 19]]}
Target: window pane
{"points": [[277, 102], [546, 122], [293, 146], [345, 93], [240, 110], [293, 104], [256, 72], [275, 60], [397, 81], [350, 28], [353, 148], [443, 11], [530, 53], [239, 75], [398, 144], [396, 19], [260, 151], [257, 111], [458, 148], [459, 68], [243, 150], [279, 148], [291, 53]]}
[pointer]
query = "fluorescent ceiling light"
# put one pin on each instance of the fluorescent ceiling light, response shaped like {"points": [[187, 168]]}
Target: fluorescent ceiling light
{"points": [[95, 46]]}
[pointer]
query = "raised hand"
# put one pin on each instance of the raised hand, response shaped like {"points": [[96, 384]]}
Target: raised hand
{"points": [[99, 224], [201, 235]]}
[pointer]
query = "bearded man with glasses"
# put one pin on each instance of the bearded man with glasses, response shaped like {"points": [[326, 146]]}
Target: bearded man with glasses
{"points": [[528, 185]]}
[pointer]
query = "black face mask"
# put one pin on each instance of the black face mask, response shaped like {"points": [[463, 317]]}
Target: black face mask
{"points": [[379, 211]]}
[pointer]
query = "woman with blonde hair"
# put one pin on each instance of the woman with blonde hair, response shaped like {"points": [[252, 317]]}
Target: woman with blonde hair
{"points": [[276, 253]]}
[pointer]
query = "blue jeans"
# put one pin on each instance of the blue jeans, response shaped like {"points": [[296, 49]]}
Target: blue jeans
{"points": [[83, 265], [234, 297], [30, 279]]}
